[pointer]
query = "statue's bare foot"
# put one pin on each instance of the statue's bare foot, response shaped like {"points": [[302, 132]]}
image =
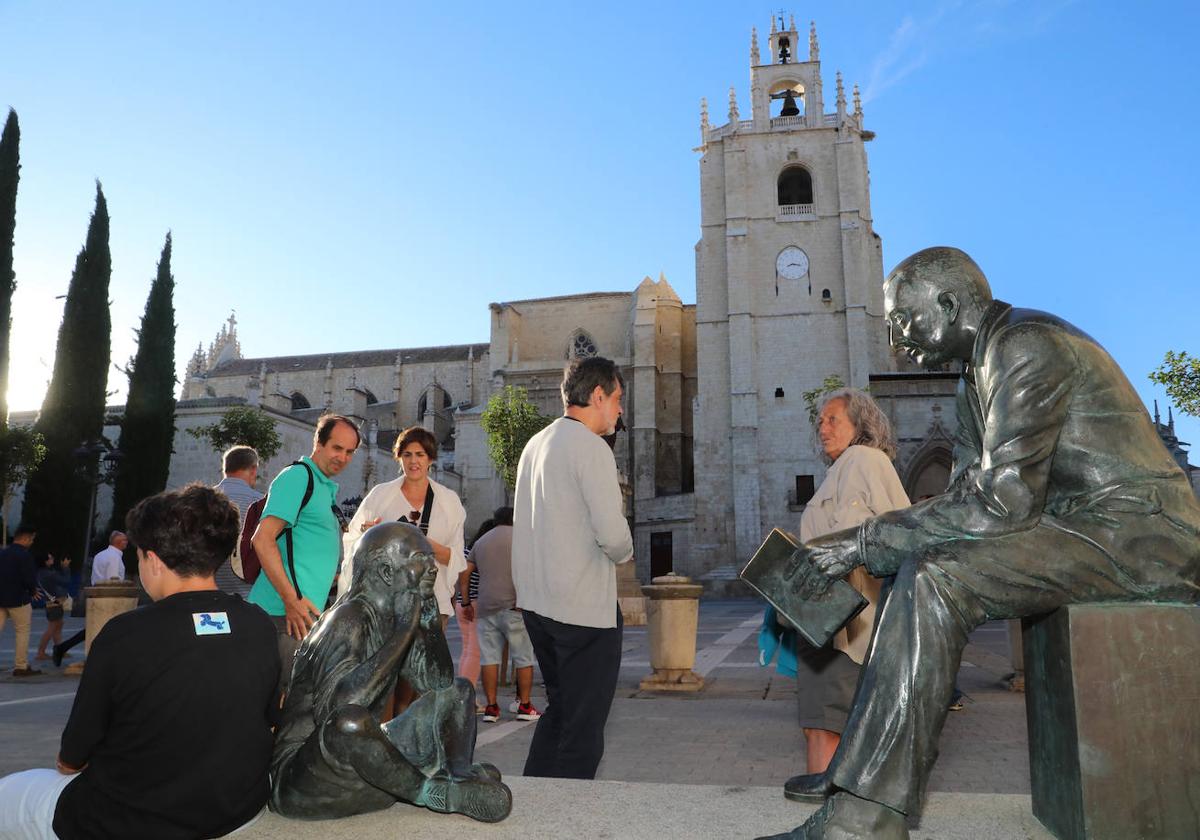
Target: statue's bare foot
{"points": [[846, 817], [483, 799]]}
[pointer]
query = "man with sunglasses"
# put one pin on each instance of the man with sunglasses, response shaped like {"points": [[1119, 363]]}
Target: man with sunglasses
{"points": [[298, 539]]}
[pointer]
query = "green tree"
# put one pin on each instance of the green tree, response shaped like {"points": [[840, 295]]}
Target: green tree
{"points": [[510, 420], [148, 427], [1180, 374], [56, 499], [21, 450], [10, 170], [812, 399], [242, 425]]}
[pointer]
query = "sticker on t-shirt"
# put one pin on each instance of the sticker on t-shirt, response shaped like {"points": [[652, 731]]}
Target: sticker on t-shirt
{"points": [[210, 624]]}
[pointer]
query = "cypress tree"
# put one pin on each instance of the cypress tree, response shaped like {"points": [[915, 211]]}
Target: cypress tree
{"points": [[10, 170], [148, 427], [56, 498]]}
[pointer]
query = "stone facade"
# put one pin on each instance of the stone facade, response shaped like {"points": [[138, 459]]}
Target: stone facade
{"points": [[718, 447]]}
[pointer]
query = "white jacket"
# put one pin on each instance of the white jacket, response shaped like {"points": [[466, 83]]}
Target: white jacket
{"points": [[446, 521]]}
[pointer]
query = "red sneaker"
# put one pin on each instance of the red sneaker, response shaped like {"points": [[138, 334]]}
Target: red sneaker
{"points": [[526, 711], [491, 714]]}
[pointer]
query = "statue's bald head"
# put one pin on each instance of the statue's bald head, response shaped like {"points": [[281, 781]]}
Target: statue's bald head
{"points": [[935, 301], [946, 270]]}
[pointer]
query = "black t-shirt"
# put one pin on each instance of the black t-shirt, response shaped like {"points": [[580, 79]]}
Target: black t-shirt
{"points": [[173, 718]]}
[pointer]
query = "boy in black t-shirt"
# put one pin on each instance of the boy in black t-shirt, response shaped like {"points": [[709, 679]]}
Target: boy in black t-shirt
{"points": [[170, 735]]}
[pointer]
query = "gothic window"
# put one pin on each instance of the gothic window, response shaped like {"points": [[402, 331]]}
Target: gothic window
{"points": [[299, 401], [795, 187], [423, 403], [582, 346]]}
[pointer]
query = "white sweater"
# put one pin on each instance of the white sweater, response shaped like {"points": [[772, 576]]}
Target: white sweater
{"points": [[569, 530]]}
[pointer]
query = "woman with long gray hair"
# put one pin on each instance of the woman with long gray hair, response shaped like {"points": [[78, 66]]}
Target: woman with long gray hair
{"points": [[857, 442]]}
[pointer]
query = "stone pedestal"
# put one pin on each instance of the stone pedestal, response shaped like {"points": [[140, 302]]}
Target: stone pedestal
{"points": [[629, 595], [1111, 692], [673, 614], [104, 601]]}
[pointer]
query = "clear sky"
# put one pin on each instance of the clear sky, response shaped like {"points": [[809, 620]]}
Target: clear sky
{"points": [[361, 175]]}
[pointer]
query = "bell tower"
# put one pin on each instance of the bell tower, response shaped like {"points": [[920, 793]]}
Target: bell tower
{"points": [[789, 275]]}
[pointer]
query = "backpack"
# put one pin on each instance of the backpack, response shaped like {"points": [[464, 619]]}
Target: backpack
{"points": [[245, 562]]}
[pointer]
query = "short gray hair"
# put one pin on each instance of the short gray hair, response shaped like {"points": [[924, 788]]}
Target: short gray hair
{"points": [[871, 426]]}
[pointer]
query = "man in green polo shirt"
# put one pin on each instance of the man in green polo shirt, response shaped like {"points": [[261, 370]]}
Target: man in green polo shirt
{"points": [[316, 536]]}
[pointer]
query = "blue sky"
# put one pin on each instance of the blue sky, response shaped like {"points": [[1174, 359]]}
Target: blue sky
{"points": [[373, 174]]}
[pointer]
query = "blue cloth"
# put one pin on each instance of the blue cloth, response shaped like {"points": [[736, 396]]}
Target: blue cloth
{"points": [[775, 639]]}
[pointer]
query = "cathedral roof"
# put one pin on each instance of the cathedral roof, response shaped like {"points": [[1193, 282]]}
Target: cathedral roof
{"points": [[352, 359]]}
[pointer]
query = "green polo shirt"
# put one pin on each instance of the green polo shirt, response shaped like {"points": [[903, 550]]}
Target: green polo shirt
{"points": [[316, 536]]}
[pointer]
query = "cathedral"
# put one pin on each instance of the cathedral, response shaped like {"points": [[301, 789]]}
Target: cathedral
{"points": [[718, 447]]}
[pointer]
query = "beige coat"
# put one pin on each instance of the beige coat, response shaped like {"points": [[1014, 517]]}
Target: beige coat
{"points": [[860, 484]]}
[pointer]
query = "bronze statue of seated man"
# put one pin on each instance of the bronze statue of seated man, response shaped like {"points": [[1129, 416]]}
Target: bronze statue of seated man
{"points": [[1062, 493], [333, 757]]}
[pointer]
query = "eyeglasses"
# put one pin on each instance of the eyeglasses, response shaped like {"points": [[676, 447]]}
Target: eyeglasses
{"points": [[414, 516]]}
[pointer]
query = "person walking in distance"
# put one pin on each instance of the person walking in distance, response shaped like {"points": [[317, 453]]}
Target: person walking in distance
{"points": [[569, 534], [18, 582]]}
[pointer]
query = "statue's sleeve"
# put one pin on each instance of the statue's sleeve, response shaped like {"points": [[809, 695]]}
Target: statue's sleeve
{"points": [[1030, 373], [337, 656]]}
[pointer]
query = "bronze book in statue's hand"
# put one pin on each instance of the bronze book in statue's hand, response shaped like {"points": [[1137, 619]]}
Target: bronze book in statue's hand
{"points": [[770, 573]]}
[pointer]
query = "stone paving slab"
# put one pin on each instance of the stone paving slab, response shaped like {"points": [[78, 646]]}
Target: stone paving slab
{"points": [[609, 810]]}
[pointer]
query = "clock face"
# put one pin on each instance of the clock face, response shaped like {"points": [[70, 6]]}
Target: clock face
{"points": [[792, 263]]}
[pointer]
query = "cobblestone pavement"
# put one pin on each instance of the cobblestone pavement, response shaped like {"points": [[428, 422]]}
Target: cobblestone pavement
{"points": [[739, 730]]}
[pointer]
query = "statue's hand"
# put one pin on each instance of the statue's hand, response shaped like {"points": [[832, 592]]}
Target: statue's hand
{"points": [[823, 565]]}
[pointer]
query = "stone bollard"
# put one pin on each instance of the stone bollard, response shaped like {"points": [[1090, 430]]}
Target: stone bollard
{"points": [[673, 614], [104, 601]]}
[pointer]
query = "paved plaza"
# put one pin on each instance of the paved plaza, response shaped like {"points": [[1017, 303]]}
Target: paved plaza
{"points": [[735, 741]]}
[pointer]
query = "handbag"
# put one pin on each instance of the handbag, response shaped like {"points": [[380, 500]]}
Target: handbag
{"points": [[54, 611]]}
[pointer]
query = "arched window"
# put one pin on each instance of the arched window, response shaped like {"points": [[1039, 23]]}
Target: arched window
{"points": [[795, 187], [423, 403], [299, 401], [371, 398], [582, 346]]}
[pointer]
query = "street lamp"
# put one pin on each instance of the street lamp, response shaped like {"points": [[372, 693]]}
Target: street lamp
{"points": [[98, 461]]}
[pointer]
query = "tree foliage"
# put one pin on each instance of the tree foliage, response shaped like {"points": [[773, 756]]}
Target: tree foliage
{"points": [[21, 450], [10, 170], [242, 425], [510, 420], [56, 499], [1180, 374], [148, 427], [812, 399]]}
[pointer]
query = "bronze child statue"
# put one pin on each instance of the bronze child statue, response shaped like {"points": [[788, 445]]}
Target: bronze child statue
{"points": [[333, 757]]}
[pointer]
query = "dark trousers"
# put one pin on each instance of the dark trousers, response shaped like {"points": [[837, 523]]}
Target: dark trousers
{"points": [[579, 666]]}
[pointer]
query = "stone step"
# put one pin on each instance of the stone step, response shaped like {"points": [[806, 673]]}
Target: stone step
{"points": [[601, 810]]}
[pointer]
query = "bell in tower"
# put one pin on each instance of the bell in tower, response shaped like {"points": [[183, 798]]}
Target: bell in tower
{"points": [[790, 109], [785, 50]]}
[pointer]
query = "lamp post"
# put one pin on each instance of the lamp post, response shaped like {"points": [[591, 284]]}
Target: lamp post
{"points": [[98, 463]]}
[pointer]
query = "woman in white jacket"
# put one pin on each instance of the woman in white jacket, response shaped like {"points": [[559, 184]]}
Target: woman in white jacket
{"points": [[416, 498]]}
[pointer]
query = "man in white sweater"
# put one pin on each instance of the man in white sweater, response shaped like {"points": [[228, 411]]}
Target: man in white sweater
{"points": [[569, 533]]}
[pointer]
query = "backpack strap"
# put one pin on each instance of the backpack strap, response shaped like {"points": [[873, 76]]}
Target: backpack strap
{"points": [[287, 532]]}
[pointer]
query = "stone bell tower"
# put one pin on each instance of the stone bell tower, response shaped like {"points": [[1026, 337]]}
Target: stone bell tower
{"points": [[789, 276]]}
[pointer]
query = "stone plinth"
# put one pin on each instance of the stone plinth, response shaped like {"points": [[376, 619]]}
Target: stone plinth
{"points": [[104, 601], [629, 596], [673, 615], [1111, 692]]}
